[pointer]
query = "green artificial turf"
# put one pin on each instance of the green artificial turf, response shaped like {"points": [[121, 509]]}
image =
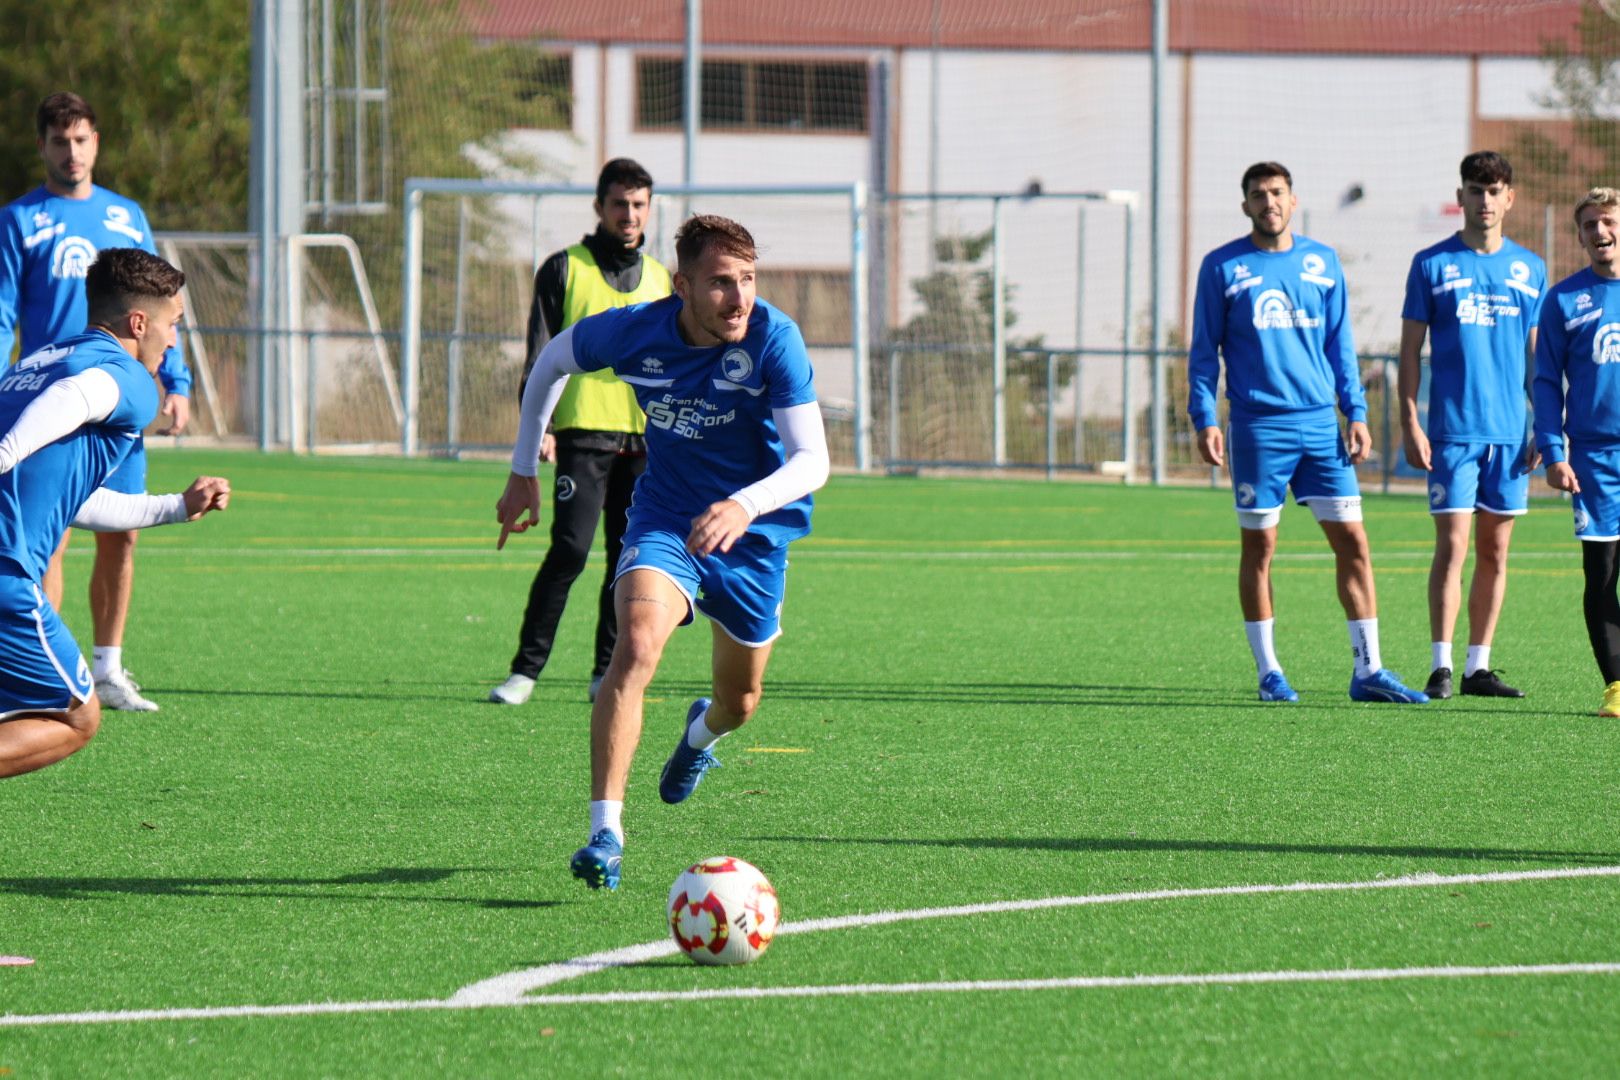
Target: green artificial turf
{"points": [[987, 691]]}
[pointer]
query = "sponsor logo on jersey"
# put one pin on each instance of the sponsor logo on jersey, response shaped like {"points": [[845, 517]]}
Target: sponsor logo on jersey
{"points": [[1606, 344], [72, 258], [39, 358], [30, 373], [1245, 494], [1437, 493], [1274, 311], [736, 365], [686, 417], [652, 365], [565, 488]]}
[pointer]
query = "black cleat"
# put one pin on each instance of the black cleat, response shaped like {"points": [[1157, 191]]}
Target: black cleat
{"points": [[1439, 687], [1486, 684]]}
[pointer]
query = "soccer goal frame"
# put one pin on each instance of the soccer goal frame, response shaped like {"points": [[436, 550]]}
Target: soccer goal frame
{"points": [[418, 188]]}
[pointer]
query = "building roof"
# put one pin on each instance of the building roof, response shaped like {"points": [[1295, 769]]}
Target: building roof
{"points": [[1406, 27]]}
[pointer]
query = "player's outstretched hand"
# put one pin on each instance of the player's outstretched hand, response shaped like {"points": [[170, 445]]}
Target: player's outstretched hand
{"points": [[1562, 477], [177, 407], [1359, 442], [522, 496], [1419, 454], [1212, 446], [206, 493], [717, 528]]}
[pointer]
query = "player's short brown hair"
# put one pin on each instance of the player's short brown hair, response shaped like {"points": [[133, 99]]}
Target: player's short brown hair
{"points": [[701, 232], [626, 172], [1486, 167], [62, 110], [122, 279]]}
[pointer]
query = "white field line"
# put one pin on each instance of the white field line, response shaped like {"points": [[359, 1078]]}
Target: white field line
{"points": [[1222, 555], [518, 983], [512, 990]]}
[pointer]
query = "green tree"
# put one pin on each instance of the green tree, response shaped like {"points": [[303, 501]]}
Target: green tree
{"points": [[169, 82]]}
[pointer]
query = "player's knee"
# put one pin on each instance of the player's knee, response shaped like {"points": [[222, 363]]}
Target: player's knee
{"points": [[85, 719]]}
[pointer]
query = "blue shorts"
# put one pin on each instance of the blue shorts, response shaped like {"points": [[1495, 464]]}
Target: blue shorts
{"points": [[741, 589], [1465, 477], [41, 668], [1269, 459], [129, 477], [1597, 504]]}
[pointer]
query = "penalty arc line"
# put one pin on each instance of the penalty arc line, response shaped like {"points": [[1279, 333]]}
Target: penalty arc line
{"points": [[511, 991], [515, 985]]}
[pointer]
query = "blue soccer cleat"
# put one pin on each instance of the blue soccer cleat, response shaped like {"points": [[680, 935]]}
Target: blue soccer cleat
{"points": [[597, 863], [1274, 687], [685, 766], [1385, 685]]}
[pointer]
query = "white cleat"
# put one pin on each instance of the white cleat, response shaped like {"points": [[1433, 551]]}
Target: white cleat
{"points": [[596, 687], [514, 691], [119, 691]]}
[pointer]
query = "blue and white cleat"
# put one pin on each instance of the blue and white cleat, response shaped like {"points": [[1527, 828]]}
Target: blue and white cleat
{"points": [[1274, 687], [597, 863], [685, 766], [1385, 685]]}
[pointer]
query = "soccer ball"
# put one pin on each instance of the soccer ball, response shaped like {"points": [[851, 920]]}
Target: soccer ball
{"points": [[723, 911]]}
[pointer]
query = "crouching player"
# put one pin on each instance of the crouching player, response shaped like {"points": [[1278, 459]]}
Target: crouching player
{"points": [[69, 414], [735, 446], [1579, 343]]}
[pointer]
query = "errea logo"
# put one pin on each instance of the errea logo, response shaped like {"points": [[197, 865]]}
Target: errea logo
{"points": [[1240, 271], [1450, 272], [1583, 301], [652, 365]]}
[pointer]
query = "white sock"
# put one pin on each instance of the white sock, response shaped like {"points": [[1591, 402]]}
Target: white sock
{"points": [[1364, 646], [608, 814], [1262, 643], [1479, 659], [1441, 655], [698, 735], [109, 660]]}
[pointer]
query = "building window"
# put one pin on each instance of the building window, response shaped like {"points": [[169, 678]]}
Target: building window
{"points": [[818, 300], [756, 95], [545, 84]]}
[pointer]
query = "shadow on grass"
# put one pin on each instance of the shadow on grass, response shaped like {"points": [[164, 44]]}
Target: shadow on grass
{"points": [[1104, 844], [283, 888]]}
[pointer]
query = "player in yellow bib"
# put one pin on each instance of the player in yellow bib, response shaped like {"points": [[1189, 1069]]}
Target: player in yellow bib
{"points": [[596, 435]]}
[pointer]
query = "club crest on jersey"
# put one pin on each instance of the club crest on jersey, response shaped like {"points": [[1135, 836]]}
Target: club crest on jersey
{"points": [[1519, 271], [1437, 494], [118, 221], [72, 258], [737, 365], [565, 488], [1606, 344], [1245, 494], [628, 558], [1583, 520], [1274, 311], [1313, 264]]}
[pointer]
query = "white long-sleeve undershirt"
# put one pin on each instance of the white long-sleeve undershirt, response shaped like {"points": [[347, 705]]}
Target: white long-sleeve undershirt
{"points": [[804, 437], [61, 409], [114, 511]]}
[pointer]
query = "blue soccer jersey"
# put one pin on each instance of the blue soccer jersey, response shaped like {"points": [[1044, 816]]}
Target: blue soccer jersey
{"points": [[43, 493], [1279, 319], [47, 243], [709, 426], [1480, 310], [1578, 341]]}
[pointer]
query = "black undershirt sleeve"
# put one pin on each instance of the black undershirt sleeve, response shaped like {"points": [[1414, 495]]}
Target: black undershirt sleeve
{"points": [[546, 310]]}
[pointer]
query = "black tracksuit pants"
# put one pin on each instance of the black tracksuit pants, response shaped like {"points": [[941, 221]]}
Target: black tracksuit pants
{"points": [[596, 474]]}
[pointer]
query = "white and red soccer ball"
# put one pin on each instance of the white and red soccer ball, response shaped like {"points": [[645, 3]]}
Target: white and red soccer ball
{"points": [[723, 911]]}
